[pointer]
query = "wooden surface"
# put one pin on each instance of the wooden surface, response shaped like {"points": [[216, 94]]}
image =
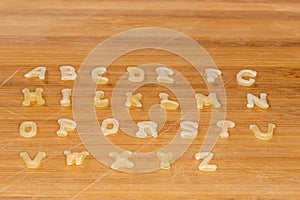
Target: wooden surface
{"points": [[261, 35]]}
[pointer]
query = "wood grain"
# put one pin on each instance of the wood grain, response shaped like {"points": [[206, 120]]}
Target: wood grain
{"points": [[261, 35]]}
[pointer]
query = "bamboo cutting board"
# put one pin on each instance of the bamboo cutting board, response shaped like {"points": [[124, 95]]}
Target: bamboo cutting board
{"points": [[260, 35]]}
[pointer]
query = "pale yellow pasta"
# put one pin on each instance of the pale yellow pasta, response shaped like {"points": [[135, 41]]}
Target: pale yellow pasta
{"points": [[97, 75], [121, 160], [263, 135], [212, 74], [65, 126], [204, 165], [99, 99], [167, 104], [210, 100], [66, 97], [33, 96], [147, 128], [37, 72], [75, 158], [164, 159], [109, 121], [136, 74], [35, 163], [68, 73], [163, 75], [260, 102], [188, 129], [133, 100], [28, 125], [243, 73], [225, 125]]}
